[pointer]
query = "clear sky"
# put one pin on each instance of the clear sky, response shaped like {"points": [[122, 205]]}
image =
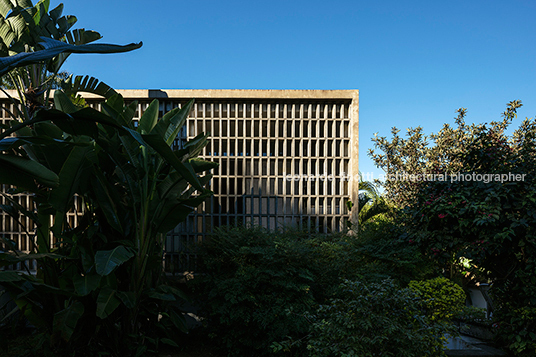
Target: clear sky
{"points": [[414, 62]]}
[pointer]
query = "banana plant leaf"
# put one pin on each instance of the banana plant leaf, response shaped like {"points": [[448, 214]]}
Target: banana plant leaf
{"points": [[74, 37], [52, 48], [185, 169], [22, 172], [70, 177], [149, 118], [107, 302], [65, 321], [6, 6], [107, 199], [83, 285], [200, 165], [128, 298], [10, 276], [15, 142], [87, 84], [9, 259], [107, 260], [171, 123], [173, 211], [14, 209]]}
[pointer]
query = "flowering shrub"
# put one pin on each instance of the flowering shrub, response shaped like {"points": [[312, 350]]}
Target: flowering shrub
{"points": [[486, 220]]}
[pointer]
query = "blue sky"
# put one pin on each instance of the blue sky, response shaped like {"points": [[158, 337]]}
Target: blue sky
{"points": [[414, 62]]}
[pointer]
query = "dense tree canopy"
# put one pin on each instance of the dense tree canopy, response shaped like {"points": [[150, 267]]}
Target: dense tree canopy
{"points": [[471, 198]]}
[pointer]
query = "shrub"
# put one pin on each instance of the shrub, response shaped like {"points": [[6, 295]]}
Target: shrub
{"points": [[473, 314], [487, 221], [384, 252], [516, 329], [377, 319], [443, 298], [256, 289]]}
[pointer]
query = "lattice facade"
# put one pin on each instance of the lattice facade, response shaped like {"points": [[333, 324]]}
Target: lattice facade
{"points": [[286, 158]]}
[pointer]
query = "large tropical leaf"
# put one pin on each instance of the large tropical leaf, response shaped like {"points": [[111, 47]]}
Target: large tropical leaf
{"points": [[128, 298], [10, 276], [149, 118], [83, 285], [22, 172], [82, 36], [65, 321], [16, 209], [178, 320], [174, 211], [74, 37], [15, 142], [200, 165], [170, 125], [10, 259], [107, 260], [63, 103], [162, 148], [107, 199], [74, 168], [172, 186], [52, 48], [88, 84], [195, 146], [107, 302]]}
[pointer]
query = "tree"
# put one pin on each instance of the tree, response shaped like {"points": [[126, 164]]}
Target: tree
{"points": [[482, 211], [371, 202], [99, 285], [23, 27]]}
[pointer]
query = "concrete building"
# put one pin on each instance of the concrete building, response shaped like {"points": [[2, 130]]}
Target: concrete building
{"points": [[287, 157]]}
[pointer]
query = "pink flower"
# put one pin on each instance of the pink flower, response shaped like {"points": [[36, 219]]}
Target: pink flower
{"points": [[441, 215]]}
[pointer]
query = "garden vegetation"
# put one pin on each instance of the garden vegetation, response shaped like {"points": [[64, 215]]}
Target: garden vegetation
{"points": [[390, 288]]}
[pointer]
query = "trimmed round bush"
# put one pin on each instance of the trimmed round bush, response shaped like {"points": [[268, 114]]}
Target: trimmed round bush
{"points": [[443, 298]]}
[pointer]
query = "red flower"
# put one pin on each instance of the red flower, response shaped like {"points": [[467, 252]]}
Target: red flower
{"points": [[441, 215]]}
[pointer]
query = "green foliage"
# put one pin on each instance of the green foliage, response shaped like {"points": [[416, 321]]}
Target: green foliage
{"points": [[473, 314], [34, 44], [377, 319], [443, 298], [516, 328], [257, 288], [487, 221], [371, 204], [383, 252], [101, 279], [260, 287]]}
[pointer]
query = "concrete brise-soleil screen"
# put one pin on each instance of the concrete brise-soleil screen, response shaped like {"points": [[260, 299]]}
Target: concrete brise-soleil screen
{"points": [[286, 158]]}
